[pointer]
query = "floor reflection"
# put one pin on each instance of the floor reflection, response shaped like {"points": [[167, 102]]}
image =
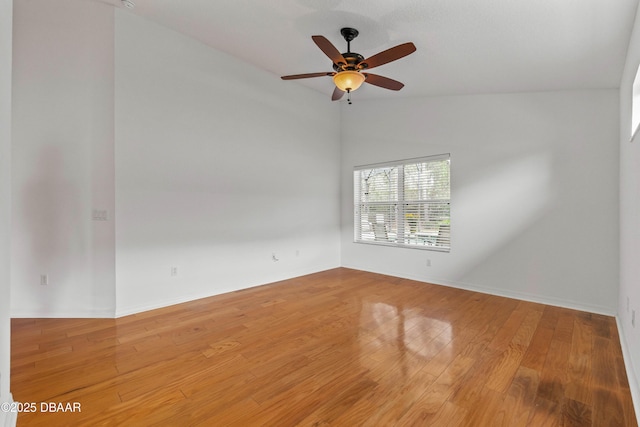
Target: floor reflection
{"points": [[402, 333]]}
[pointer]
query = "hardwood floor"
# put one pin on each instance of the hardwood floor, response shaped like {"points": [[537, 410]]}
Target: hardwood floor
{"points": [[339, 348]]}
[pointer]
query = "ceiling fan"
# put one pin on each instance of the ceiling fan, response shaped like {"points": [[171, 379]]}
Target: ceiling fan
{"points": [[349, 66]]}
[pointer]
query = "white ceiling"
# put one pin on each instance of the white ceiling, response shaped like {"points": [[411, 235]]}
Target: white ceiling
{"points": [[463, 46]]}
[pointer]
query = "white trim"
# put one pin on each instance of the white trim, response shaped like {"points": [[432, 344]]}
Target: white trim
{"points": [[635, 132], [134, 309], [522, 296], [8, 419], [434, 158], [141, 308], [634, 385], [97, 314], [403, 245], [635, 104]]}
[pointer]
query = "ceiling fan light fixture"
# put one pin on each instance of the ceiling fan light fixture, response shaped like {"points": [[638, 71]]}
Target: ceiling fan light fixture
{"points": [[347, 66], [348, 80]]}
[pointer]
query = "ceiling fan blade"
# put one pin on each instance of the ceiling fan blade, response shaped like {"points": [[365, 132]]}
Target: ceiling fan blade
{"points": [[306, 76], [337, 94], [384, 82], [388, 55], [329, 49]]}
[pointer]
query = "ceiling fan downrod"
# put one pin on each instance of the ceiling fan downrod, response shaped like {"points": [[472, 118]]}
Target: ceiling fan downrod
{"points": [[349, 34]]}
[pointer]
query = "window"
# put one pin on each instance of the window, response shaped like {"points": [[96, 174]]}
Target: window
{"points": [[635, 105], [404, 203]]}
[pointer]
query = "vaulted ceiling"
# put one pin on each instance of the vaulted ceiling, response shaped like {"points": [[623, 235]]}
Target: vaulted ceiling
{"points": [[463, 46]]}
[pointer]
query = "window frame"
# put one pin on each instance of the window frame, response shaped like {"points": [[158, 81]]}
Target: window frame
{"points": [[635, 105], [398, 208]]}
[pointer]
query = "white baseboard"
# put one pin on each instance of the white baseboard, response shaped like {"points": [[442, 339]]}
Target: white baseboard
{"points": [[556, 302], [633, 379], [522, 296], [8, 419], [127, 311], [92, 314], [140, 308]]}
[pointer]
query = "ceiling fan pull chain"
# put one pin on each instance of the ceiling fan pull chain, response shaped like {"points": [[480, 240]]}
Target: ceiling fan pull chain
{"points": [[349, 96]]}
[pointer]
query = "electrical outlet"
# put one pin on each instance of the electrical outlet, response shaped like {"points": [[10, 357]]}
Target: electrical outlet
{"points": [[174, 271], [100, 215], [44, 279]]}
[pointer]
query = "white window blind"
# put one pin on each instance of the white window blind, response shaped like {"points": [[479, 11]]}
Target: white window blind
{"points": [[404, 203]]}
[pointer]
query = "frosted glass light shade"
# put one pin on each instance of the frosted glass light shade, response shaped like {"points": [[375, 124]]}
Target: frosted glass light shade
{"points": [[348, 80]]}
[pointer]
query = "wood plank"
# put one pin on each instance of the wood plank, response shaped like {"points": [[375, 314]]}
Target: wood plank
{"points": [[579, 369], [488, 410], [436, 394], [503, 371], [520, 398], [339, 347]]}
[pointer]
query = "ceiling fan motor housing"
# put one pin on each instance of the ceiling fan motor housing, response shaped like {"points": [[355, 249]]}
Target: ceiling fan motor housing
{"points": [[353, 60]]}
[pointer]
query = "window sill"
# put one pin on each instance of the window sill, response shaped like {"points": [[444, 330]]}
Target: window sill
{"points": [[398, 245]]}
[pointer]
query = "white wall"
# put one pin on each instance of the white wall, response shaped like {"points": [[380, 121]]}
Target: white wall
{"points": [[210, 170], [63, 159], [630, 220], [6, 24], [218, 166], [534, 208]]}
